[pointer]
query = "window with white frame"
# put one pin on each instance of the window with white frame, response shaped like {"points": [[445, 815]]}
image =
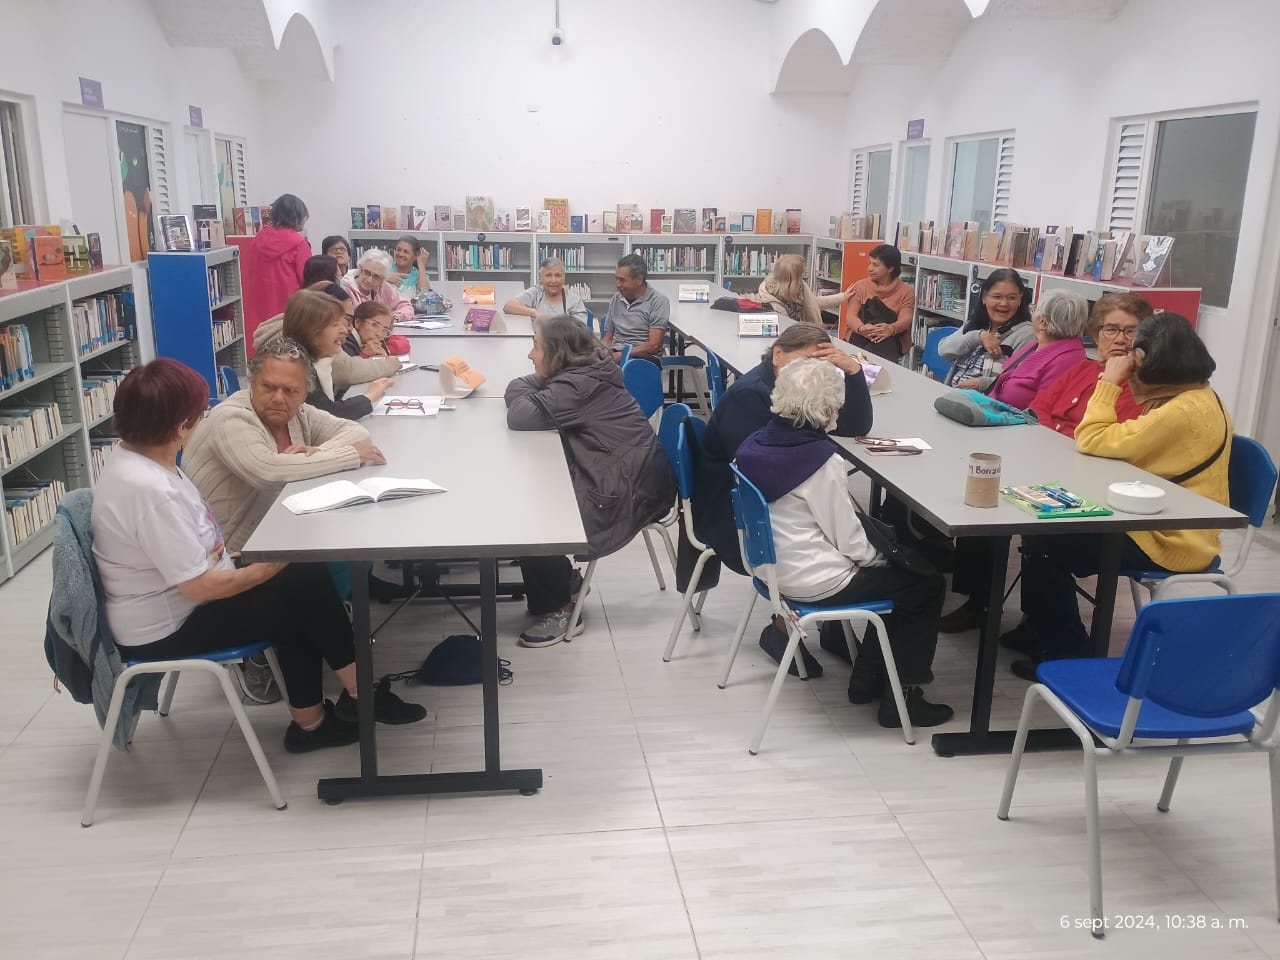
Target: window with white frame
{"points": [[980, 178], [1184, 176], [913, 181], [17, 198], [869, 184]]}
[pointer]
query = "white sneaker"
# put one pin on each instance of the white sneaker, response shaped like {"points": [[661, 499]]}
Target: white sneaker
{"points": [[550, 630]]}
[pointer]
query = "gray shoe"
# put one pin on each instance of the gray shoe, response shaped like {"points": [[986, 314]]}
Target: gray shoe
{"points": [[259, 685]]}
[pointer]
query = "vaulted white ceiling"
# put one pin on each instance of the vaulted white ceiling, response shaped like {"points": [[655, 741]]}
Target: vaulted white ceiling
{"points": [[823, 42]]}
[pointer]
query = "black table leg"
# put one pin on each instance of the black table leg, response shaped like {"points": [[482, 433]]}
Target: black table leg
{"points": [[489, 780], [1104, 602]]}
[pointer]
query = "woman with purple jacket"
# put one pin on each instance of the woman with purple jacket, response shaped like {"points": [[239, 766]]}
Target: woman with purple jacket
{"points": [[1059, 322]]}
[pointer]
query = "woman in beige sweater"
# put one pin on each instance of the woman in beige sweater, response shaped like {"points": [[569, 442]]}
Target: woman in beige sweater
{"points": [[254, 442], [787, 294]]}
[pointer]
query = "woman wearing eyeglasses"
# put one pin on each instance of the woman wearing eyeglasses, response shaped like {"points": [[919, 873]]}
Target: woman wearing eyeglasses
{"points": [[370, 283], [1000, 325], [1060, 405]]}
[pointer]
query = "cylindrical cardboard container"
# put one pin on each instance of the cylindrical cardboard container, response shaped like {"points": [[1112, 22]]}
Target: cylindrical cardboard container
{"points": [[982, 485]]}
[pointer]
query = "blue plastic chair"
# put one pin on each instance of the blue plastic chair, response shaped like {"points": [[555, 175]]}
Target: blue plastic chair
{"points": [[644, 382], [626, 354], [682, 457], [228, 380], [1252, 482], [755, 537], [591, 323], [715, 379], [1192, 670], [932, 359], [679, 362]]}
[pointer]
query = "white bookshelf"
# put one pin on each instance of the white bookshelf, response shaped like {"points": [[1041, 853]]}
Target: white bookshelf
{"points": [[512, 256], [60, 364], [742, 273]]}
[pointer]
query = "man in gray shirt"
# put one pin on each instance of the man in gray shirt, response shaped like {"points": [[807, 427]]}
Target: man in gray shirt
{"points": [[638, 314]]}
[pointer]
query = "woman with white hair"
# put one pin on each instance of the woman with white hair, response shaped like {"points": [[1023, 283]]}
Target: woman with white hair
{"points": [[1058, 322], [370, 283], [549, 298], [824, 556]]}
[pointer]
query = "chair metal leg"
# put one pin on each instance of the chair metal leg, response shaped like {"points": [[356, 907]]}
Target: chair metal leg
{"points": [[653, 559], [895, 683], [793, 644], [1091, 829], [274, 663], [695, 615], [665, 533], [686, 608], [737, 642], [167, 688], [1170, 781], [576, 617], [1136, 590], [1019, 746], [104, 746], [251, 738]]}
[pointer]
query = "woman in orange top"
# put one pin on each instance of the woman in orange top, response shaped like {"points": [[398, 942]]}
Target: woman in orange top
{"points": [[882, 306]]}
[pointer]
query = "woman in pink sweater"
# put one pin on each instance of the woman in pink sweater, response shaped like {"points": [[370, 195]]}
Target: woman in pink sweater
{"points": [[370, 283], [1059, 321], [273, 262]]}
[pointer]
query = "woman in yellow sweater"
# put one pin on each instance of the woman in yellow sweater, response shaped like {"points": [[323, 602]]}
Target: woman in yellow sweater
{"points": [[1183, 434]]}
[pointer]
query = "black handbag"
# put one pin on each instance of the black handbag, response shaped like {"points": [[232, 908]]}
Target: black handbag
{"points": [[904, 556]]}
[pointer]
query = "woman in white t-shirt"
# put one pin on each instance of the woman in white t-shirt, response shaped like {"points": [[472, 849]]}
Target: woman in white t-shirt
{"points": [[550, 298], [171, 589]]}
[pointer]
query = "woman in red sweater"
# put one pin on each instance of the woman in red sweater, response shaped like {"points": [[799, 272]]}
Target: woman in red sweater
{"points": [[273, 263]]}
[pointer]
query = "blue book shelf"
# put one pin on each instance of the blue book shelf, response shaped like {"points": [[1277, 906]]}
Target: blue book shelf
{"points": [[197, 311]]}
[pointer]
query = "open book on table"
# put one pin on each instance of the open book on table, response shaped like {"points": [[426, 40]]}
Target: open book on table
{"points": [[344, 493]]}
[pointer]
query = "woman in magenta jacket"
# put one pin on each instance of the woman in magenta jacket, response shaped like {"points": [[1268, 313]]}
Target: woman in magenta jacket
{"points": [[1059, 322], [273, 262]]}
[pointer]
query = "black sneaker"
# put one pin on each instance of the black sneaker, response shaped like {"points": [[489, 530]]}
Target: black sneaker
{"points": [[1022, 639], [332, 732], [921, 711], [1025, 670], [774, 642], [866, 681], [387, 708], [960, 619], [384, 591]]}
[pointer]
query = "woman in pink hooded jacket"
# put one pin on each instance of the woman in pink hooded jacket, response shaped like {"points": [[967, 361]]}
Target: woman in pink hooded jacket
{"points": [[1059, 321], [273, 262]]}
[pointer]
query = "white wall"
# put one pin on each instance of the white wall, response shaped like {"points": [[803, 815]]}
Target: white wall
{"points": [[663, 107], [49, 44], [1058, 83]]}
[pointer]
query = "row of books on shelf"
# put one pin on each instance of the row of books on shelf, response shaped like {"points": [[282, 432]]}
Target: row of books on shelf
{"points": [[45, 252], [1098, 255], [99, 448], [573, 258], [29, 508], [849, 226], [217, 286], [583, 290], [479, 256], [480, 214], [17, 362], [98, 389], [678, 259], [23, 430], [830, 265], [749, 263], [942, 291], [101, 320], [224, 333]]}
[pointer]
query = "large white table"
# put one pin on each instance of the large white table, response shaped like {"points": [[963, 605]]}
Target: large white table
{"points": [[504, 290], [471, 453], [932, 486]]}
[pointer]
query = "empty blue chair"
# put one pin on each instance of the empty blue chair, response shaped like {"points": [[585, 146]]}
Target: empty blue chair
{"points": [[1252, 481], [680, 362], [682, 457], [755, 536], [644, 382], [229, 381], [932, 359], [1193, 671], [715, 379]]}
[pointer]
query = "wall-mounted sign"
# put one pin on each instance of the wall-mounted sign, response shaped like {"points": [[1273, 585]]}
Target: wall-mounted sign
{"points": [[197, 116], [915, 129], [90, 92]]}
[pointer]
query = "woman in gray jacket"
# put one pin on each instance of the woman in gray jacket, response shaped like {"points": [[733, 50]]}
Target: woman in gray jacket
{"points": [[621, 477]]}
